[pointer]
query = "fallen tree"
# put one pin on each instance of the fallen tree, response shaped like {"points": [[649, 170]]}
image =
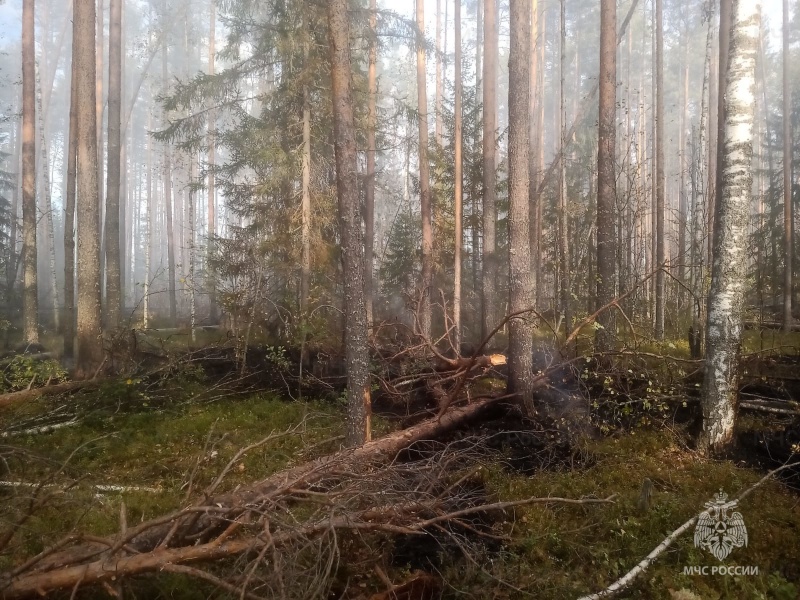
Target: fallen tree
{"points": [[367, 491]]}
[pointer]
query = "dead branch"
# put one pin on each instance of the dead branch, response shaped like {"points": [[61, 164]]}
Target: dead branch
{"points": [[59, 388], [375, 500], [217, 512]]}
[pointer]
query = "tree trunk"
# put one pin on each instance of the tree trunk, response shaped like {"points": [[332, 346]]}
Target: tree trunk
{"points": [[439, 103], [90, 350], [190, 279], [424, 180], [369, 193], [725, 25], [46, 204], [475, 234], [69, 219], [148, 241], [682, 144], [534, 147], [564, 286], [357, 352], [520, 379], [728, 276], [99, 105], [538, 279], [660, 181], [788, 213], [305, 210], [112, 229], [701, 202], [606, 175], [458, 184], [167, 183], [490, 263], [213, 316], [30, 299]]}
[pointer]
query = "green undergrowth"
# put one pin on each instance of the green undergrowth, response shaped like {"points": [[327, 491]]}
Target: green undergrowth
{"points": [[562, 551], [158, 449], [552, 551]]}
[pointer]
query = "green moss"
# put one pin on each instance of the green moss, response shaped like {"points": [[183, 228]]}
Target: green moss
{"points": [[565, 551], [559, 551], [159, 449]]}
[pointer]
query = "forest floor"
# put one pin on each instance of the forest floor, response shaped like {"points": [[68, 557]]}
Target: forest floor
{"points": [[151, 444]]}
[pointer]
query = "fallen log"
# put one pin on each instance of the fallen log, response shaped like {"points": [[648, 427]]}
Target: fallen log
{"points": [[770, 325], [219, 511], [48, 390], [250, 521]]}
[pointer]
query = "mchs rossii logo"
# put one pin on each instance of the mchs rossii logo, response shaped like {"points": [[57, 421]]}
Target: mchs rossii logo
{"points": [[720, 528]]}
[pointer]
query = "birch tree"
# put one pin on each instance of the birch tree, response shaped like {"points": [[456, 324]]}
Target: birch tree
{"points": [[728, 271]]}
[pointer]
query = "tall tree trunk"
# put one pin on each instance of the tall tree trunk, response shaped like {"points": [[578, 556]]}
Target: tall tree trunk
{"points": [[148, 257], [606, 174], [534, 148], [424, 180], [520, 380], [439, 129], [212, 163], [127, 222], [660, 181], [725, 25], [112, 229], [305, 209], [728, 275], [46, 203], [16, 192], [369, 193], [564, 286], [90, 350], [788, 213], [167, 182], [538, 280], [682, 144], [458, 175], [99, 106], [69, 218], [357, 354], [479, 41], [190, 198], [490, 263], [30, 299], [701, 203], [475, 234]]}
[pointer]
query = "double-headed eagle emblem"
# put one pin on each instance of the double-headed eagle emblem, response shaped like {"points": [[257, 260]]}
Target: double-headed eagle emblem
{"points": [[720, 532]]}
